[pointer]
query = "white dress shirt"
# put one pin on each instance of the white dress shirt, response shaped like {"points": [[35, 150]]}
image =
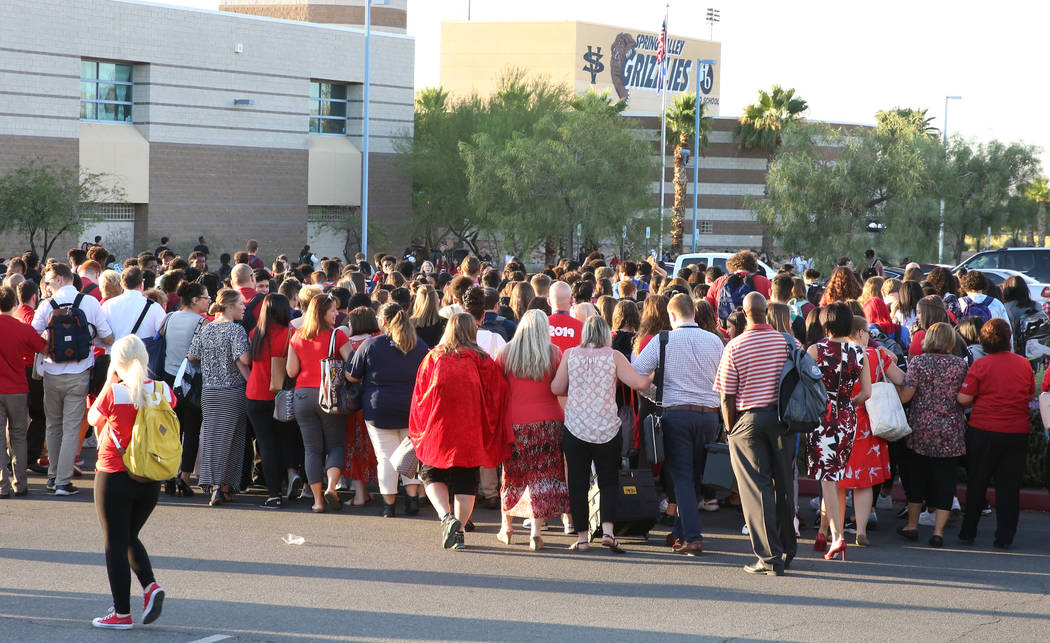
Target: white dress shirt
{"points": [[124, 311], [490, 342], [95, 316]]}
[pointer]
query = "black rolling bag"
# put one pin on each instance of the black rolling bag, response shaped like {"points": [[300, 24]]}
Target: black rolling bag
{"points": [[637, 508]]}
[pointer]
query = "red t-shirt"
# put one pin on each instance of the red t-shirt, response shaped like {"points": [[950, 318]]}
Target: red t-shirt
{"points": [[310, 354], [762, 285], [1046, 381], [25, 312], [259, 379], [247, 294], [19, 341], [116, 407], [95, 292], [565, 331], [643, 342], [1003, 383], [915, 348]]}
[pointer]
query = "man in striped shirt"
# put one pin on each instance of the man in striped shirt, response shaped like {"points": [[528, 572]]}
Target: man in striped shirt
{"points": [[761, 450]]}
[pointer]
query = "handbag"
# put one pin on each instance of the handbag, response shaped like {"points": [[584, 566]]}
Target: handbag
{"points": [[404, 458], [278, 367], [1044, 409], [652, 427], [885, 411], [331, 380], [284, 406]]}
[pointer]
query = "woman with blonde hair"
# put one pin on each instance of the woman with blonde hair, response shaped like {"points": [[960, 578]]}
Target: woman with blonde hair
{"points": [[780, 317], [534, 476], [872, 288], [324, 434], [456, 423], [588, 374], [109, 284], [428, 323], [223, 351], [124, 504], [306, 293], [386, 366], [606, 306]]}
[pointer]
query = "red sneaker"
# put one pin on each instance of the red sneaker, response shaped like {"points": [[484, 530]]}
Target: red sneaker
{"points": [[152, 601], [113, 621]]}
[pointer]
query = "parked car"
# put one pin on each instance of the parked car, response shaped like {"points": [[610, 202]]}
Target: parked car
{"points": [[1033, 262], [1040, 294], [715, 259]]}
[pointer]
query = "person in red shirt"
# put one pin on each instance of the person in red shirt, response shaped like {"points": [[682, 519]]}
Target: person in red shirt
{"points": [[123, 503], [565, 329], [89, 272], [242, 277], [19, 340], [269, 348], [324, 434], [998, 387], [253, 249], [743, 263]]}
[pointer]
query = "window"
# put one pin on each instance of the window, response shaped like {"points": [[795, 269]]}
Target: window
{"points": [[328, 213], [705, 227], [108, 211], [105, 91], [327, 108]]}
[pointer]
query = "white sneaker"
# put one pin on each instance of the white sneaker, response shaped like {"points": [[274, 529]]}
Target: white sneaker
{"points": [[342, 485], [796, 527], [814, 503], [987, 511], [566, 524], [927, 519], [956, 507], [745, 530], [708, 505], [884, 502], [526, 523]]}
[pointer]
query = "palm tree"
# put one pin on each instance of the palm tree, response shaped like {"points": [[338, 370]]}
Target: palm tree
{"points": [[762, 125], [913, 117], [601, 101], [681, 120], [1039, 193]]}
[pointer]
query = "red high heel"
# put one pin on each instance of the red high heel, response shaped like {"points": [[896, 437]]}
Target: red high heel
{"points": [[821, 543], [840, 548]]}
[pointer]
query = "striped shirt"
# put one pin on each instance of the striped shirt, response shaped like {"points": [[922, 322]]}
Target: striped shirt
{"points": [[751, 366]]}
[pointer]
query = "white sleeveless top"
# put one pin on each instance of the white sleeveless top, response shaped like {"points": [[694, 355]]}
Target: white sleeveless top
{"points": [[590, 411]]}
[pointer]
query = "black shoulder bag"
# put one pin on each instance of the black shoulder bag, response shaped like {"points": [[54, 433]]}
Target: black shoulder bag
{"points": [[652, 427]]}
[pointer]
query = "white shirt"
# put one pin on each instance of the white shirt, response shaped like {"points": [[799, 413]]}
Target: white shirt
{"points": [[995, 307], [490, 342], [124, 311], [95, 316]]}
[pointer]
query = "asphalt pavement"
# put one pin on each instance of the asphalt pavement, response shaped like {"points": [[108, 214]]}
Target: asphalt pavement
{"points": [[229, 575]]}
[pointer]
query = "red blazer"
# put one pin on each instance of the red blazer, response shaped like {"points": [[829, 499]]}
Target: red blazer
{"points": [[457, 408]]}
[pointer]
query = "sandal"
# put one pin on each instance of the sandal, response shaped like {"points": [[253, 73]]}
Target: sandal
{"points": [[578, 546], [613, 544], [504, 536], [331, 498]]}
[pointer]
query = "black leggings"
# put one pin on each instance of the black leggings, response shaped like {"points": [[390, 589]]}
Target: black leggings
{"points": [[279, 443], [190, 418], [578, 458], [123, 507]]}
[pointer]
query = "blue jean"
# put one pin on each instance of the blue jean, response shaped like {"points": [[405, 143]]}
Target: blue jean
{"points": [[686, 436]]}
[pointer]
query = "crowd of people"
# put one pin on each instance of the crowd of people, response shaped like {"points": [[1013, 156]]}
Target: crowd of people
{"points": [[517, 390]]}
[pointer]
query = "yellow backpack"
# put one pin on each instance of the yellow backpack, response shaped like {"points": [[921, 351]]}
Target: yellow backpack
{"points": [[155, 449]]}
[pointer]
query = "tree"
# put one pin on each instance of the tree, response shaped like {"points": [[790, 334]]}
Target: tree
{"points": [[42, 202], [580, 166], [681, 122], [1039, 193], [912, 118], [762, 127]]}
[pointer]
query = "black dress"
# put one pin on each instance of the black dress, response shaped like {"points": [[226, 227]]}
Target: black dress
{"points": [[431, 335]]}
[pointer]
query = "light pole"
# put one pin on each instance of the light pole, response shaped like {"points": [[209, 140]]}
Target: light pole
{"points": [[944, 143], [364, 119], [696, 140]]}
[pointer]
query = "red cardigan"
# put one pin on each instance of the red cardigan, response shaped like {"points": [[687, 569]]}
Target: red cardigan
{"points": [[457, 408]]}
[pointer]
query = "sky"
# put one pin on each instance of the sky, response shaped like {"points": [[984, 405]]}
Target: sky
{"points": [[847, 58]]}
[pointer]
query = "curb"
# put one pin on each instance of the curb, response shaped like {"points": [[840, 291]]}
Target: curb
{"points": [[1031, 499]]}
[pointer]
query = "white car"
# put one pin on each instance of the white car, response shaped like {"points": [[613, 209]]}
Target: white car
{"points": [[714, 259], [1040, 293]]}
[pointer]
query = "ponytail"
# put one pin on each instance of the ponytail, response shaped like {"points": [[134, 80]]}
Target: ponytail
{"points": [[399, 327], [128, 359]]}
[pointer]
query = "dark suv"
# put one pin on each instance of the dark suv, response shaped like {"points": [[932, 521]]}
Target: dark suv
{"points": [[1035, 262]]}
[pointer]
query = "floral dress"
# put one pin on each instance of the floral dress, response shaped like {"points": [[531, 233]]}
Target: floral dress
{"points": [[831, 443], [937, 421], [869, 460]]}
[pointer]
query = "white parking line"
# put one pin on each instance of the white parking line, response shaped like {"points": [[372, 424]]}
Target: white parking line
{"points": [[212, 639]]}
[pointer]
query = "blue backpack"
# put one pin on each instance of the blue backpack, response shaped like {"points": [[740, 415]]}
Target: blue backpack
{"points": [[69, 333], [974, 309], [731, 294]]}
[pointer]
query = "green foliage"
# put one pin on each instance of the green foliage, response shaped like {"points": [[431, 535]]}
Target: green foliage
{"points": [[681, 120], [880, 187], [763, 123], [42, 202], [910, 119], [522, 167]]}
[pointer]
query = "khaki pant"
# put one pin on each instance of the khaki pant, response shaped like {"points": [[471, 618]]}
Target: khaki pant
{"points": [[64, 399], [14, 425], [490, 482]]}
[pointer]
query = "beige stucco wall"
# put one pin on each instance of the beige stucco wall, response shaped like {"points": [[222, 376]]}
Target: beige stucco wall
{"points": [[334, 171], [121, 153]]}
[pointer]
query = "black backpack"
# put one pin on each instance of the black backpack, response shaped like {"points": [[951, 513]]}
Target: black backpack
{"points": [[69, 334], [249, 319]]}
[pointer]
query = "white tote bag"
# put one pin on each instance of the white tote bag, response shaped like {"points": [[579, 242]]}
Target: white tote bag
{"points": [[1044, 409], [888, 420]]}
